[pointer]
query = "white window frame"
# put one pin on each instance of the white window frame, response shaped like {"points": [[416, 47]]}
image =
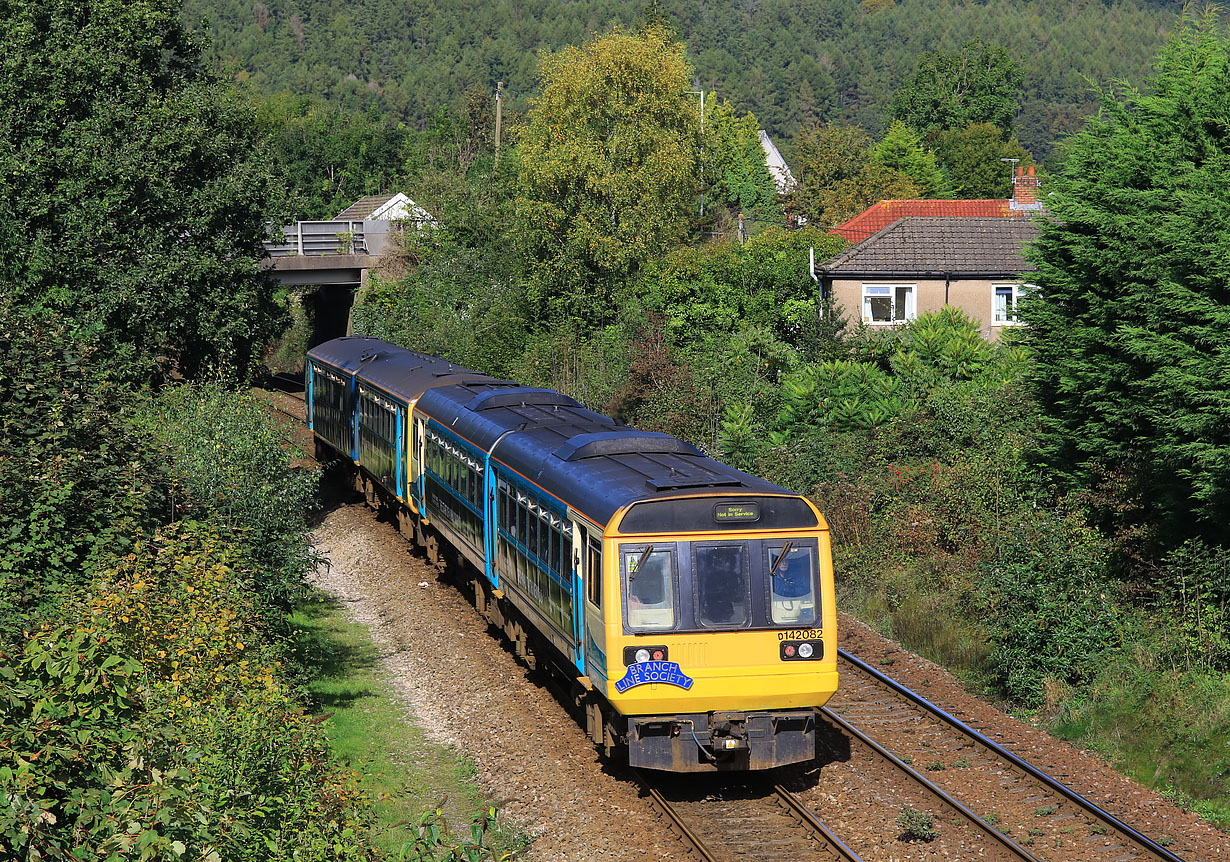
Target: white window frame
{"points": [[874, 289], [1018, 290]]}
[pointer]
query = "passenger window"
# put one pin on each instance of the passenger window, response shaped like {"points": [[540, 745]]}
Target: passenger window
{"points": [[593, 572], [793, 585], [649, 585], [721, 588]]}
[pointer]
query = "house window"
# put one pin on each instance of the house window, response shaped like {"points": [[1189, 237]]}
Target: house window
{"points": [[1004, 303], [888, 303]]}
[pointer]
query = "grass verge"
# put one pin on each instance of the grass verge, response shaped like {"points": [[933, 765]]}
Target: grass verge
{"points": [[407, 775]]}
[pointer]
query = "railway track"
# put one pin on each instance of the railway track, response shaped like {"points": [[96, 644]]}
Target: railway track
{"points": [[744, 822], [1020, 800], [998, 805]]}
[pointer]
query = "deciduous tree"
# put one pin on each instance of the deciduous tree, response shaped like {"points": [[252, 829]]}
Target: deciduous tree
{"points": [[973, 159], [1131, 322], [979, 83], [609, 167], [133, 194], [839, 178]]}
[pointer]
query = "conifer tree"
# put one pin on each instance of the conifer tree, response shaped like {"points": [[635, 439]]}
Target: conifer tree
{"points": [[901, 150], [1131, 321]]}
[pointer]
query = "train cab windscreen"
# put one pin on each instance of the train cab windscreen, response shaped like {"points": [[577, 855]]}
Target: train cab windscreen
{"points": [[792, 584], [649, 585], [720, 585]]}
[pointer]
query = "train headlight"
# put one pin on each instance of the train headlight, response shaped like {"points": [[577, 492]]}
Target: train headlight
{"points": [[801, 650], [640, 655]]}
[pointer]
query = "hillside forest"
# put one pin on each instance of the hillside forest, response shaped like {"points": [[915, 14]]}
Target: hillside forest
{"points": [[1043, 514]]}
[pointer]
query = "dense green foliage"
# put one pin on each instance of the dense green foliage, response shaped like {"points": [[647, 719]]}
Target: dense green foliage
{"points": [[224, 462], [733, 169], [838, 176], [608, 169], [153, 713], [977, 84], [789, 63], [901, 150], [1131, 323], [73, 483], [133, 199], [157, 722], [331, 156], [973, 159]]}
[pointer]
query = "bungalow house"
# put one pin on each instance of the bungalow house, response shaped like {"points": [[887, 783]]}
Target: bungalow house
{"points": [[912, 256], [919, 263]]}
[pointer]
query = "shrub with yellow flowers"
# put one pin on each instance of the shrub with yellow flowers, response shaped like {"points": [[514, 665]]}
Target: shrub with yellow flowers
{"points": [[160, 724]]}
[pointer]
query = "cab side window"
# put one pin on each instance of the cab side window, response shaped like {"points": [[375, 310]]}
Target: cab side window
{"points": [[792, 579], [649, 584]]}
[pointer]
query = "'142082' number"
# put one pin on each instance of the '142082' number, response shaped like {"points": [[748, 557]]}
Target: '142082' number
{"points": [[801, 635]]}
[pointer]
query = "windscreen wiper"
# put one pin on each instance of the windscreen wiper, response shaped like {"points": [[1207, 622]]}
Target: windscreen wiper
{"points": [[781, 558], [640, 561]]}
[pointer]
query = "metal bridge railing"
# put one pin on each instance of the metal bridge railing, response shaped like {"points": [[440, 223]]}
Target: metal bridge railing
{"points": [[329, 237]]}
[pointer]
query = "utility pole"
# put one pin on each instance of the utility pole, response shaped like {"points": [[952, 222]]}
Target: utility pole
{"points": [[499, 115], [701, 93]]}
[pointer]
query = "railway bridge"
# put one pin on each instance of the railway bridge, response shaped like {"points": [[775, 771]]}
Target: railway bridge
{"points": [[332, 260]]}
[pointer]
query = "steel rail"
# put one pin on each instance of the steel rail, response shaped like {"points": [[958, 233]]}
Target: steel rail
{"points": [[1025, 766], [680, 828], [981, 825], [801, 812]]}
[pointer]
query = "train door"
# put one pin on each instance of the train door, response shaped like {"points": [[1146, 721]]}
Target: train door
{"points": [[589, 552], [418, 460]]}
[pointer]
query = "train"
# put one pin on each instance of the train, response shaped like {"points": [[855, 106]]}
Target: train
{"points": [[686, 606]]}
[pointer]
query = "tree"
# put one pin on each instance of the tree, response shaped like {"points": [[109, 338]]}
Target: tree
{"points": [[332, 156], [979, 83], [134, 195], [973, 159], [608, 171], [839, 178], [734, 164], [1131, 322], [901, 150]]}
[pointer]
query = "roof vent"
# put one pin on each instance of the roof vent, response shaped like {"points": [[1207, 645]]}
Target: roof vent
{"points": [[520, 397], [601, 443]]}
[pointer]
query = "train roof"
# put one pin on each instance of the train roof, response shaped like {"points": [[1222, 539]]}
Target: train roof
{"points": [[589, 460], [403, 373]]}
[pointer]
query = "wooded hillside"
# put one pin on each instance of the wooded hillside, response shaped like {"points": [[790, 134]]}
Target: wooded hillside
{"points": [[790, 62]]}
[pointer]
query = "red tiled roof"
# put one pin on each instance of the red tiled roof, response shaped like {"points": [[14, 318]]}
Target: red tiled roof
{"points": [[881, 215]]}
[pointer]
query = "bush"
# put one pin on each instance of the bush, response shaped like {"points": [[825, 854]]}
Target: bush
{"points": [[1052, 607], [73, 486], [225, 462], [158, 723]]}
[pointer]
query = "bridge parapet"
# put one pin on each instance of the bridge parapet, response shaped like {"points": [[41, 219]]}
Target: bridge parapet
{"points": [[316, 238]]}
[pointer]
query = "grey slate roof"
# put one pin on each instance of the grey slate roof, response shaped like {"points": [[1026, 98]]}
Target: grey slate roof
{"points": [[973, 246], [363, 207]]}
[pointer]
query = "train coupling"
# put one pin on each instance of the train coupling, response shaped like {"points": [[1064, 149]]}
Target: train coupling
{"points": [[722, 741]]}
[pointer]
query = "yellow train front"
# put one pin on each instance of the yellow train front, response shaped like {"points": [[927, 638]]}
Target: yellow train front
{"points": [[720, 641], [688, 606]]}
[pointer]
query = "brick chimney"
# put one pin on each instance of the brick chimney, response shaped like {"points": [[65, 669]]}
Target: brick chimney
{"points": [[1025, 189]]}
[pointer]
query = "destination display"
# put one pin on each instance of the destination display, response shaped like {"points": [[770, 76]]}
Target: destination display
{"points": [[705, 514], [736, 512]]}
